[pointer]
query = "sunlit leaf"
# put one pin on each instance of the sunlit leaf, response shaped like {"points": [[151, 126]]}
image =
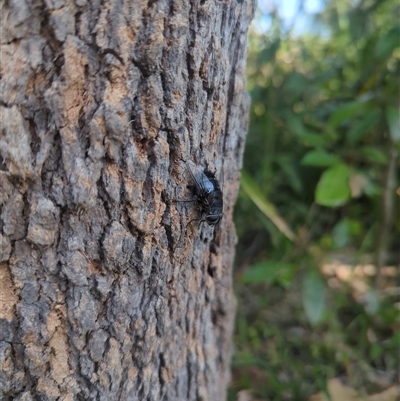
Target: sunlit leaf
{"points": [[333, 187], [320, 158], [313, 293]]}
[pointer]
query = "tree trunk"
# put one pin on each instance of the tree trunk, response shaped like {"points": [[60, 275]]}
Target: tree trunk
{"points": [[105, 295]]}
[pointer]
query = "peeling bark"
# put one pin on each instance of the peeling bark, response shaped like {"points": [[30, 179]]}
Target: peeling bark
{"points": [[101, 103]]}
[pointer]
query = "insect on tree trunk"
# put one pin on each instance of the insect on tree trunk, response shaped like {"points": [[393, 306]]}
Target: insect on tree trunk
{"points": [[101, 105]]}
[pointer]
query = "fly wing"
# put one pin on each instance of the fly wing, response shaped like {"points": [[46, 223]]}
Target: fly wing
{"points": [[194, 170], [202, 182]]}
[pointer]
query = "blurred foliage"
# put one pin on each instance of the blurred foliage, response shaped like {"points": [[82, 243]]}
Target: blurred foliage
{"points": [[319, 183]]}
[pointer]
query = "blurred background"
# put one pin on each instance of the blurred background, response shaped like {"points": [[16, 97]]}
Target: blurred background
{"points": [[318, 215]]}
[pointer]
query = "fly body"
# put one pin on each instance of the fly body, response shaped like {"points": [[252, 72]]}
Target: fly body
{"points": [[208, 194]]}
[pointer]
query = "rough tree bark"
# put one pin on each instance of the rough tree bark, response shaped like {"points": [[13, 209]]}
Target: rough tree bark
{"points": [[100, 104]]}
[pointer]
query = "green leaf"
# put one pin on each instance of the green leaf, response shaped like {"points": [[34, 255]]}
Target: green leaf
{"points": [[270, 271], [291, 171], [320, 158], [346, 111], [388, 43], [372, 190], [393, 120], [259, 273], [268, 54], [313, 294], [333, 187], [295, 84], [314, 140], [295, 123], [252, 190], [342, 233], [346, 229], [362, 127], [374, 155]]}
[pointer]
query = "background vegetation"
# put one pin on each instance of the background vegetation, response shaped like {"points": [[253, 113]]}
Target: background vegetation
{"points": [[318, 213]]}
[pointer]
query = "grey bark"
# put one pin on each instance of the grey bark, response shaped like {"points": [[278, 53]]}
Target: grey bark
{"points": [[100, 104]]}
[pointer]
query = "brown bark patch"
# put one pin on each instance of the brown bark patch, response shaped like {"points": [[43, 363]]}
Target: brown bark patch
{"points": [[8, 298]]}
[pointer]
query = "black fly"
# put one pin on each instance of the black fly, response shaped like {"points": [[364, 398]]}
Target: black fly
{"points": [[208, 194]]}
